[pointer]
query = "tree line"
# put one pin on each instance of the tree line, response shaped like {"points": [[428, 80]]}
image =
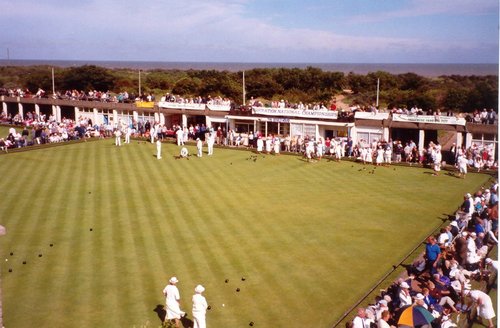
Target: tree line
{"points": [[309, 85]]}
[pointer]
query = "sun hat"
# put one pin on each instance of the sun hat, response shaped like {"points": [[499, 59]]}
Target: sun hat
{"points": [[173, 280], [419, 296], [199, 289], [382, 302], [404, 284]]}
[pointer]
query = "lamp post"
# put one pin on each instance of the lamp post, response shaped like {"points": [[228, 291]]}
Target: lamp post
{"points": [[3, 231]]}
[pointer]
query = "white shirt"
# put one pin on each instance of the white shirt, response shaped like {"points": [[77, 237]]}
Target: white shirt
{"points": [[172, 294], [199, 303]]}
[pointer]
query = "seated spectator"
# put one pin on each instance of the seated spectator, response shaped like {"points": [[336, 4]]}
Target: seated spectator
{"points": [[361, 321], [404, 295], [383, 322]]}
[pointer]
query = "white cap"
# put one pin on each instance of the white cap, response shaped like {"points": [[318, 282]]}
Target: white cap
{"points": [[419, 297], [382, 302], [199, 289], [173, 280], [404, 284]]}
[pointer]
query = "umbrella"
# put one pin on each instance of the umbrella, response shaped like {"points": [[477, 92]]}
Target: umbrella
{"points": [[415, 316]]}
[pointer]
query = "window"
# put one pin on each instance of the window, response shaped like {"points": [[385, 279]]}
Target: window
{"points": [[243, 127]]}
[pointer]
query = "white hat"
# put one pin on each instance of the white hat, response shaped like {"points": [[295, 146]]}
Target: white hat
{"points": [[473, 234], [454, 223], [419, 297], [199, 289], [487, 191], [404, 284], [468, 195], [464, 233], [488, 260], [173, 280], [382, 302]]}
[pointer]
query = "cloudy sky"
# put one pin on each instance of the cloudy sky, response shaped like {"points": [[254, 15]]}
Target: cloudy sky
{"points": [[310, 31]]}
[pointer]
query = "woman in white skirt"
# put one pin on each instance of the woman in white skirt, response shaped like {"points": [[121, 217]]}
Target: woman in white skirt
{"points": [[484, 305], [380, 156], [172, 300], [269, 141], [276, 145], [260, 144]]}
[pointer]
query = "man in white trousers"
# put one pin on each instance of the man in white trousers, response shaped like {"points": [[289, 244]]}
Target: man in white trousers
{"points": [[158, 149], [199, 147], [118, 137], [210, 143]]}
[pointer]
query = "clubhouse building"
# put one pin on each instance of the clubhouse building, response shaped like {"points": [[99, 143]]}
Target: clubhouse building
{"points": [[369, 126]]}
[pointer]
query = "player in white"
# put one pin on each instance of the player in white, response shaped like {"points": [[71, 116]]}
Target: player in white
{"points": [[310, 150], [200, 306], [269, 141], [118, 137], [153, 132], [128, 132], [260, 144], [437, 158], [180, 137], [210, 143], [199, 147], [172, 300], [158, 149], [276, 145], [462, 166], [338, 149], [320, 148]]}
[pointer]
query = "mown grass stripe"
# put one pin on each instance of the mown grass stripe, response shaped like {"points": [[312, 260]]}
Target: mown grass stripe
{"points": [[290, 227]]}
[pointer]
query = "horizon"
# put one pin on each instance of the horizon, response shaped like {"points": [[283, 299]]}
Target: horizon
{"points": [[430, 70], [247, 62]]}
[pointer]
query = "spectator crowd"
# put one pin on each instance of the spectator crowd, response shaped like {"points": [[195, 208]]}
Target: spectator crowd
{"points": [[444, 280]]}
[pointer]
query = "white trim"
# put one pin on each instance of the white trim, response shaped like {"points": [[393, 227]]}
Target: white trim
{"points": [[217, 119]]}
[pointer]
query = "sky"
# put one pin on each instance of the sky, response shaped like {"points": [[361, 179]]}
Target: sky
{"points": [[276, 31]]}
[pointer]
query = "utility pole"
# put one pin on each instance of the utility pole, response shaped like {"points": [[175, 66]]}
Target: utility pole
{"points": [[244, 91], [53, 83], [139, 83]]}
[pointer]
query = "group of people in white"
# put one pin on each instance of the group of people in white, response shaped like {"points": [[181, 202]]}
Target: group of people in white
{"points": [[173, 309]]}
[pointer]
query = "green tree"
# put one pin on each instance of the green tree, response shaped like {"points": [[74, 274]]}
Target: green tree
{"points": [[88, 77], [455, 99], [38, 79], [157, 80], [187, 87]]}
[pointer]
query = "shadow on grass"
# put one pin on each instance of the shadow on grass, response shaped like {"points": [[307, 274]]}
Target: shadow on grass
{"points": [[162, 314], [160, 311]]}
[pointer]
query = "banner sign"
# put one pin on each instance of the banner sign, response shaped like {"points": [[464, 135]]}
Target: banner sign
{"points": [[308, 113], [220, 108], [438, 119], [175, 105], [145, 104], [371, 116]]}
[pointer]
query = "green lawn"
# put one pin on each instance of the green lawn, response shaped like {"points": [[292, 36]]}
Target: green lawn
{"points": [[309, 238]]}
